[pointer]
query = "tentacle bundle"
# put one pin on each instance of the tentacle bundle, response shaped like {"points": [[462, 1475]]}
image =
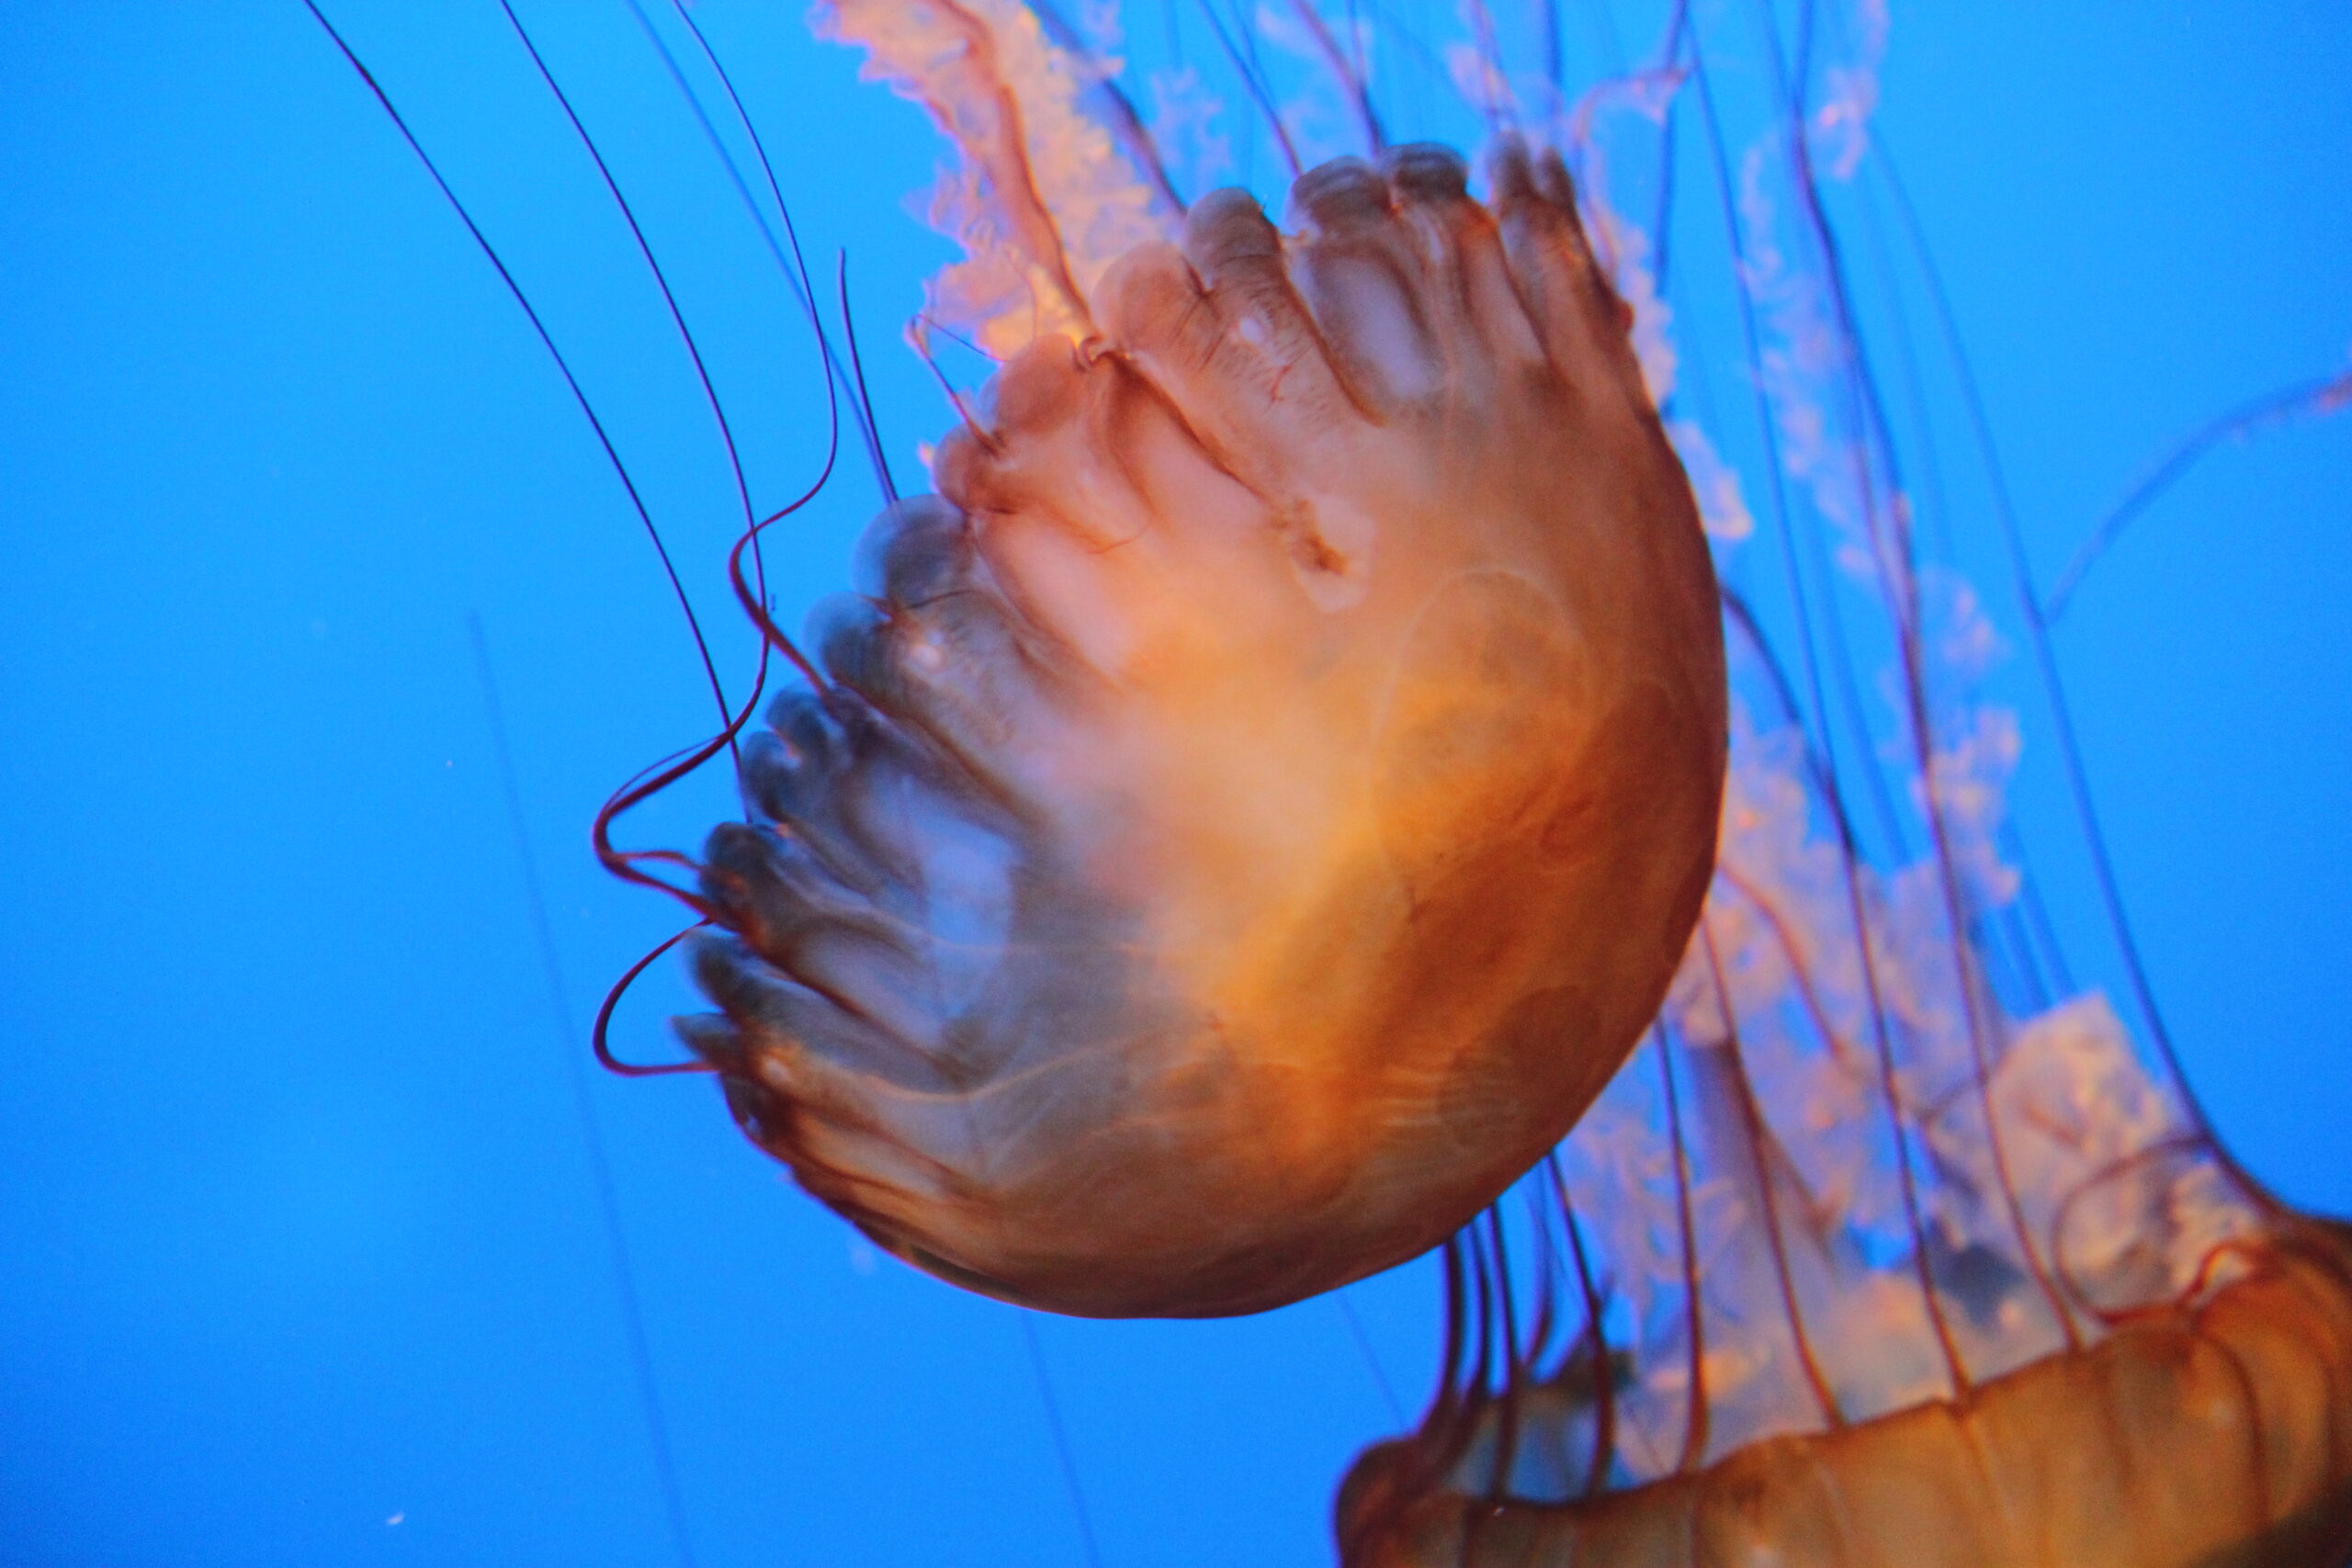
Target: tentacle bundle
{"points": [[1266, 794]]}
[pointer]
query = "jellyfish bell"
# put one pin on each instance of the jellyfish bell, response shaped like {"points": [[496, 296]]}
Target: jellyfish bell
{"points": [[1266, 793]]}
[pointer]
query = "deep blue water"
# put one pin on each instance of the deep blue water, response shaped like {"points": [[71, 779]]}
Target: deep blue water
{"points": [[300, 1260]]}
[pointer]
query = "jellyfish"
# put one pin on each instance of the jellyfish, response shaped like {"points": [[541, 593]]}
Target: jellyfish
{"points": [[1257, 803]]}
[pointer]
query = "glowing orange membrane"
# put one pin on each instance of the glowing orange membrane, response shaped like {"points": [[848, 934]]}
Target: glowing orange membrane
{"points": [[1264, 796]]}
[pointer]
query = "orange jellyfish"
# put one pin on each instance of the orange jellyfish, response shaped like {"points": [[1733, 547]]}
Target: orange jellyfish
{"points": [[1264, 796]]}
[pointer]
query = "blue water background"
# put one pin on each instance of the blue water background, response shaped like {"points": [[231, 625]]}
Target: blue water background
{"points": [[300, 1260]]}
